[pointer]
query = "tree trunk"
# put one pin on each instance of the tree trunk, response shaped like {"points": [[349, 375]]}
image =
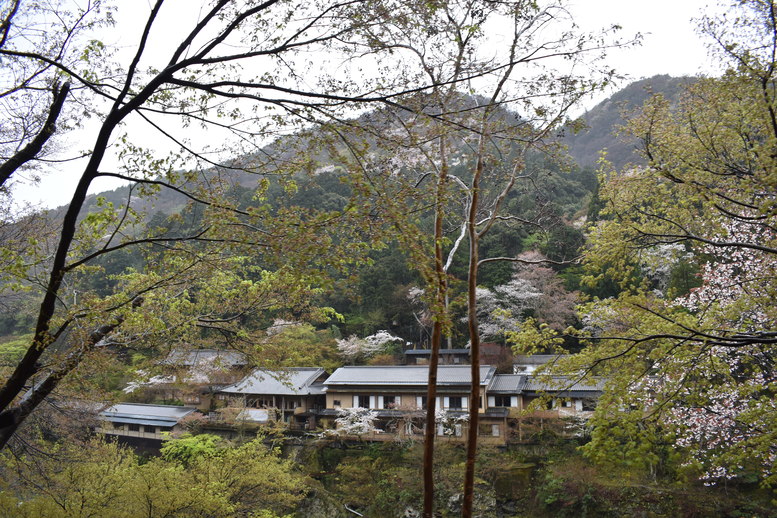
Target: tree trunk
{"points": [[439, 314], [474, 335]]}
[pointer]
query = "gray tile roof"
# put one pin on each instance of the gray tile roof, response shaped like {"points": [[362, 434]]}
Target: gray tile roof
{"points": [[189, 358], [428, 352], [507, 384], [536, 359], [136, 413], [406, 375], [565, 385], [292, 381]]}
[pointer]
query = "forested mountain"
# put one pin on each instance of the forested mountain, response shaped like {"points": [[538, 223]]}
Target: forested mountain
{"points": [[603, 120], [378, 298], [584, 146]]}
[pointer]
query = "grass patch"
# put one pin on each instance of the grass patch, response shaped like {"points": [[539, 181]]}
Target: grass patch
{"points": [[12, 348]]}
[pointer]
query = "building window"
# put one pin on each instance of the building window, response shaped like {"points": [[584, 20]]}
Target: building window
{"points": [[362, 401], [149, 429], [118, 426], [261, 402], [589, 404], [133, 427], [389, 402], [566, 403], [421, 402], [454, 402], [336, 403], [502, 401]]}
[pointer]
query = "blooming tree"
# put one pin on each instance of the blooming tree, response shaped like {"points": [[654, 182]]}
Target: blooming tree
{"points": [[500, 309], [280, 325], [721, 419], [448, 422], [695, 370], [356, 421], [533, 288], [354, 348]]}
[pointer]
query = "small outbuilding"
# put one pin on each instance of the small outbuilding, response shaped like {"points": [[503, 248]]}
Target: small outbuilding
{"points": [[142, 420]]}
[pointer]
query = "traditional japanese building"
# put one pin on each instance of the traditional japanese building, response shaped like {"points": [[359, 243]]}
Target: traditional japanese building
{"points": [[291, 395]]}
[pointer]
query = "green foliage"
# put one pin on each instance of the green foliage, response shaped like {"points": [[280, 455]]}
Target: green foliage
{"points": [[625, 438], [563, 243], [534, 338], [188, 448], [690, 242], [12, 350], [302, 345], [548, 480], [102, 479]]}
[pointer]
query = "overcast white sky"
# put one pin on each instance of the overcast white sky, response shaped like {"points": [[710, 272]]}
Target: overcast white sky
{"points": [[670, 42], [670, 46]]}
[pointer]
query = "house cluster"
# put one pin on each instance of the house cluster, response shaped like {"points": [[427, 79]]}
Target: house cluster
{"points": [[308, 399]]}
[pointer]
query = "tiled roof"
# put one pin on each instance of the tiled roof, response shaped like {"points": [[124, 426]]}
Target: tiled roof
{"points": [[536, 359], [428, 352], [293, 381], [565, 385], [405, 375], [188, 358], [508, 384], [136, 413]]}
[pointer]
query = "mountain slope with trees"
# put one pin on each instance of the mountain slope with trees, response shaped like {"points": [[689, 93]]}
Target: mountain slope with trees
{"points": [[603, 122]]}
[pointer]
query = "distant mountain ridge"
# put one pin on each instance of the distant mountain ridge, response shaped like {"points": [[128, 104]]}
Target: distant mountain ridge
{"points": [[605, 118], [584, 147]]}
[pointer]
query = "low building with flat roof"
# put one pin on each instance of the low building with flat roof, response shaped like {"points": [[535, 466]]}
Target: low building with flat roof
{"points": [[142, 421]]}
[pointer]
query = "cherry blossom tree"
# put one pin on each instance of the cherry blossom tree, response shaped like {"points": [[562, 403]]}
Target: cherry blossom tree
{"points": [[354, 349], [694, 373], [355, 421], [534, 290], [450, 422]]}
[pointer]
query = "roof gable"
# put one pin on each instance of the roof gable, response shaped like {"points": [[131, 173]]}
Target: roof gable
{"points": [[292, 381], [508, 384]]}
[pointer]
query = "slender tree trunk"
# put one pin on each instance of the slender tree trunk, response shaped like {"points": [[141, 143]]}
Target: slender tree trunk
{"points": [[13, 409], [474, 335], [439, 315], [431, 399]]}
